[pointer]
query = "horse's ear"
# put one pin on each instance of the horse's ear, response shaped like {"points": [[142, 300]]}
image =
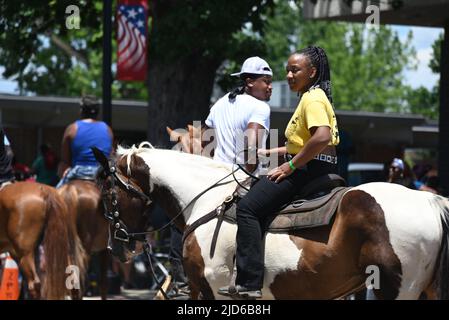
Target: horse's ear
{"points": [[174, 136], [101, 158]]}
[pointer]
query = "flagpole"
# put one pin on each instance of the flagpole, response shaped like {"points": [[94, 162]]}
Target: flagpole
{"points": [[107, 60]]}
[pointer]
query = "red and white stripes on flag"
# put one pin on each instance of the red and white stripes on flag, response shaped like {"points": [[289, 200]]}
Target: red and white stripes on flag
{"points": [[131, 40]]}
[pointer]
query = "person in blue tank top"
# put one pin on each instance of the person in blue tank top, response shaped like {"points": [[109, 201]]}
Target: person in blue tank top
{"points": [[77, 160]]}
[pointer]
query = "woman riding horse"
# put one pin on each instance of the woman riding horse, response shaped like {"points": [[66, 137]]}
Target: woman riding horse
{"points": [[400, 233], [312, 135]]}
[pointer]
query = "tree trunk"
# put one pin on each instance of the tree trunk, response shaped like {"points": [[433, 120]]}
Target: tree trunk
{"points": [[179, 93]]}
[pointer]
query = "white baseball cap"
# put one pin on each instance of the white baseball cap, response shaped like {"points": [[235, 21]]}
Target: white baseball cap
{"points": [[398, 163], [255, 65]]}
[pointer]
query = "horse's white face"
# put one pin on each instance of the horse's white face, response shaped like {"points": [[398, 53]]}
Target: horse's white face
{"points": [[185, 176]]}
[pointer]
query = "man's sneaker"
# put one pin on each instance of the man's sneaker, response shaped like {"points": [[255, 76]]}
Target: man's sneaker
{"points": [[240, 292]]}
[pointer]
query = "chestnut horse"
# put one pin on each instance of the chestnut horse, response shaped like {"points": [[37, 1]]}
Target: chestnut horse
{"points": [[193, 140], [401, 233], [27, 212], [86, 209]]}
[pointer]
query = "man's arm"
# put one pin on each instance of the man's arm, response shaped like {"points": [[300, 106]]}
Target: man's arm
{"points": [[251, 145], [66, 154]]}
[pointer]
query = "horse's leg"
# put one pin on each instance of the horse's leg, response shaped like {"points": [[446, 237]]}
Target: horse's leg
{"points": [[430, 292], [25, 242], [28, 268], [194, 268], [103, 280]]}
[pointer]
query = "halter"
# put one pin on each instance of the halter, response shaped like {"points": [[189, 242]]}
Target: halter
{"points": [[121, 230]]}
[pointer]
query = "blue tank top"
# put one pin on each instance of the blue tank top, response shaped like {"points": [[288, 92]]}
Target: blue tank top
{"points": [[90, 134]]}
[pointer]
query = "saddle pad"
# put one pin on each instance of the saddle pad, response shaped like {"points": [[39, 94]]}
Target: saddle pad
{"points": [[300, 214]]}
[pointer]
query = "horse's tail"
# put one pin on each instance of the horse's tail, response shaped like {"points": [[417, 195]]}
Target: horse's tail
{"points": [[442, 275], [62, 249]]}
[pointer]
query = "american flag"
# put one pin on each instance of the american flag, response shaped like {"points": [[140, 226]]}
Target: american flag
{"points": [[131, 40]]}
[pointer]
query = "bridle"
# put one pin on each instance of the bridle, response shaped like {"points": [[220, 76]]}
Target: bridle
{"points": [[120, 232], [113, 215]]}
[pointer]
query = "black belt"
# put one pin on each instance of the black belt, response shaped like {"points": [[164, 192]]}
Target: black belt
{"points": [[326, 158], [320, 157]]}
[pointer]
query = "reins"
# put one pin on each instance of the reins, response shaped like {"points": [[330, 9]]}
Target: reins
{"points": [[121, 232]]}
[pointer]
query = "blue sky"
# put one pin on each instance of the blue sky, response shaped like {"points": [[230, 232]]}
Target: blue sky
{"points": [[422, 41], [423, 38]]}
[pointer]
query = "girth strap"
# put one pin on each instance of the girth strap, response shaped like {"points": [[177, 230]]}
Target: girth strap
{"points": [[221, 210], [217, 212], [204, 219]]}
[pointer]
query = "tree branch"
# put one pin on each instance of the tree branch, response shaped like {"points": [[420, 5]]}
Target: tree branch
{"points": [[67, 48]]}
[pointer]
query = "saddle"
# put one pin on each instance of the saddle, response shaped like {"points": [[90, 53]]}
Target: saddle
{"points": [[313, 207]]}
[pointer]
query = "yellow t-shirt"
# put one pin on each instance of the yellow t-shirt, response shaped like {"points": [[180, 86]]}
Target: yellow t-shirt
{"points": [[314, 110]]}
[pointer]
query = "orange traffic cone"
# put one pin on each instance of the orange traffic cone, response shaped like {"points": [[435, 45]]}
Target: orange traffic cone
{"points": [[9, 289]]}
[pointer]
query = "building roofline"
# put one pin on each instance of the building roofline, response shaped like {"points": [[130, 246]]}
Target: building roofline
{"points": [[72, 101], [350, 113]]}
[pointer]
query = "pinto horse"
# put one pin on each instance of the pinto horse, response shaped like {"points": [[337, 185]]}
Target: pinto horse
{"points": [[86, 210], [28, 211], [402, 232]]}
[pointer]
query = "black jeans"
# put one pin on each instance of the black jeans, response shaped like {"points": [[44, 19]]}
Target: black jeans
{"points": [[175, 256], [263, 199]]}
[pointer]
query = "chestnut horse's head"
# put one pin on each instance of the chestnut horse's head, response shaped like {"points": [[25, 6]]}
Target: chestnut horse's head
{"points": [[190, 140], [126, 200]]}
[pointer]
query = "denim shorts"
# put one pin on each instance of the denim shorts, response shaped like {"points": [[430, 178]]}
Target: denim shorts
{"points": [[79, 172]]}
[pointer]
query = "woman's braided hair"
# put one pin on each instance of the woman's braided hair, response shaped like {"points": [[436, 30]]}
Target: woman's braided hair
{"points": [[318, 59]]}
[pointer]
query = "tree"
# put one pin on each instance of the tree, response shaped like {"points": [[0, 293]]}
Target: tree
{"points": [[188, 39], [434, 63], [366, 63], [422, 100]]}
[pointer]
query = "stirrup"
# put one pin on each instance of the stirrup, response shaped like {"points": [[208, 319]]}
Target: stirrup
{"points": [[239, 291]]}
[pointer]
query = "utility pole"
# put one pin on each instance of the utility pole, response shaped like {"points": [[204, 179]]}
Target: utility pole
{"points": [[107, 61]]}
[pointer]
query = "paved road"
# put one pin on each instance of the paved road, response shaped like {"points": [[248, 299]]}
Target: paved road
{"points": [[128, 294]]}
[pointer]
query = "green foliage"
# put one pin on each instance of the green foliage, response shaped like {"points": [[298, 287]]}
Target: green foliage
{"points": [[366, 63], [423, 101], [434, 63], [180, 29]]}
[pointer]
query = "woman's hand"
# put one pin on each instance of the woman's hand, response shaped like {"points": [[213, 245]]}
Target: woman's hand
{"points": [[280, 173]]}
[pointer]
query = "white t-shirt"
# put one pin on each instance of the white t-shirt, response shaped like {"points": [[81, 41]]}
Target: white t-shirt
{"points": [[230, 121]]}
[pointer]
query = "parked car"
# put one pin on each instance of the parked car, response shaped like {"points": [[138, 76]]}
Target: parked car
{"points": [[364, 172]]}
